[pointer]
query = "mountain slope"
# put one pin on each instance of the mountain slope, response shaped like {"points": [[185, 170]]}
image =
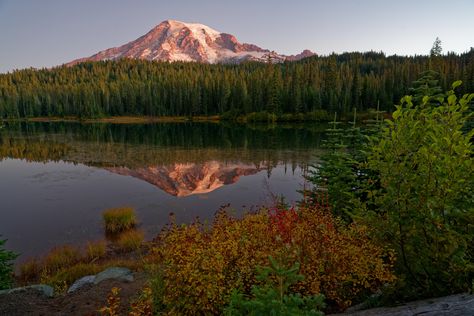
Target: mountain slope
{"points": [[178, 41]]}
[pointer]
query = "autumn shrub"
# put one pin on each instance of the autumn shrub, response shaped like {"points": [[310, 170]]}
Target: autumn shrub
{"points": [[200, 267], [112, 308], [143, 305], [130, 240], [96, 249], [119, 219]]}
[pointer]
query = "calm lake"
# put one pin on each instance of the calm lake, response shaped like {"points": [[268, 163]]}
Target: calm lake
{"points": [[57, 178]]}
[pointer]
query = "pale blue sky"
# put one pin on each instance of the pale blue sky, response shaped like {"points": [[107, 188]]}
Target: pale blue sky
{"points": [[43, 33]]}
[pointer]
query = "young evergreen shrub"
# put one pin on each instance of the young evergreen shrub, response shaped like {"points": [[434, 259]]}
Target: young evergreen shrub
{"points": [[339, 173], [273, 296], [6, 266]]}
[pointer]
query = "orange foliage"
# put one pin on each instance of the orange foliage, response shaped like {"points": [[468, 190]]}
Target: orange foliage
{"points": [[143, 306], [113, 303], [200, 266]]}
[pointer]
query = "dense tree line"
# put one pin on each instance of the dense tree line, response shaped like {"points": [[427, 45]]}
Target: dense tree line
{"points": [[134, 87]]}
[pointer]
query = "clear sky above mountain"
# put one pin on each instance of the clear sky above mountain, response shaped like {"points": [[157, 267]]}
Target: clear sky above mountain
{"points": [[51, 32]]}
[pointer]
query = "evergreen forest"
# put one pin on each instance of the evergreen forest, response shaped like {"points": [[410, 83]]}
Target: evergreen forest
{"points": [[319, 85]]}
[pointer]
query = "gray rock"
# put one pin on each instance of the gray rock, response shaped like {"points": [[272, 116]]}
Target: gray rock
{"points": [[454, 305], [116, 273], [44, 289], [88, 279]]}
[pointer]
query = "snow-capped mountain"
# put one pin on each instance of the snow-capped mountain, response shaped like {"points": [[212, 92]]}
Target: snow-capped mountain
{"points": [[178, 41]]}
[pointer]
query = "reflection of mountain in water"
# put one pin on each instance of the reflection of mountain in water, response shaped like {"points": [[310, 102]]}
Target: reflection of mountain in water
{"points": [[190, 178], [181, 159]]}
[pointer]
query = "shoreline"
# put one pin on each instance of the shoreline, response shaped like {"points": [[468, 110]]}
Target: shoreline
{"points": [[120, 119], [183, 119]]}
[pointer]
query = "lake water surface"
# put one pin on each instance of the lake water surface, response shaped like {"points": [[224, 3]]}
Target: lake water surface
{"points": [[57, 178]]}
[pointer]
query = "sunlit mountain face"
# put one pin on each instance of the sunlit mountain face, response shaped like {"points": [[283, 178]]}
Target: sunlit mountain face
{"points": [[185, 179], [173, 40]]}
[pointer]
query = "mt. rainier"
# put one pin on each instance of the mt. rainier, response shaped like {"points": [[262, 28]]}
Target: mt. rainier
{"points": [[178, 41]]}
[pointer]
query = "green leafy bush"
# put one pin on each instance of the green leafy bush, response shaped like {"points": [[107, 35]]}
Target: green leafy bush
{"points": [[422, 201]]}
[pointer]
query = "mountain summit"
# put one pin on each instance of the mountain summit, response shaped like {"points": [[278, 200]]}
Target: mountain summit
{"points": [[178, 41]]}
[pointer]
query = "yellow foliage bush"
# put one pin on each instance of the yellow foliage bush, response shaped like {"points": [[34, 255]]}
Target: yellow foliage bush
{"points": [[201, 266]]}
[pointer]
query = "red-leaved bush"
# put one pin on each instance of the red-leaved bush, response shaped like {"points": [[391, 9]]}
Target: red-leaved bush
{"points": [[199, 267]]}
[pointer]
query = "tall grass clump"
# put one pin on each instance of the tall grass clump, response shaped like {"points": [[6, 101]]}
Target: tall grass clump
{"points": [[29, 270], [96, 249], [130, 240], [117, 220], [61, 257]]}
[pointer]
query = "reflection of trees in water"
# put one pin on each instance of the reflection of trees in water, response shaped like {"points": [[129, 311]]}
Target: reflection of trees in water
{"points": [[32, 149], [135, 146]]}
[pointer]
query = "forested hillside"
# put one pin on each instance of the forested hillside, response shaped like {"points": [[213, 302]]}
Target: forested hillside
{"points": [[132, 87]]}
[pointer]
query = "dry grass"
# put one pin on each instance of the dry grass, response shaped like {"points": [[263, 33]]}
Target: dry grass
{"points": [[96, 249], [61, 257], [130, 240], [63, 278], [29, 270], [117, 220], [64, 265]]}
